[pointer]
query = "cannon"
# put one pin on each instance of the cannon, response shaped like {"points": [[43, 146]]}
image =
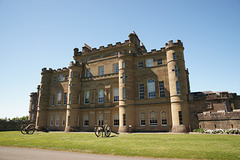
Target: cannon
{"points": [[100, 129], [30, 129]]}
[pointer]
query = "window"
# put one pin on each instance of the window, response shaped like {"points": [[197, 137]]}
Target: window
{"points": [[151, 88], [115, 68], [141, 91], [164, 118], [100, 119], [85, 121], [100, 96], [63, 120], [124, 119], [176, 71], [59, 97], [33, 107], [57, 121], [55, 79], [79, 98], [153, 119], [149, 62], [116, 53], [177, 87], [159, 62], [101, 70], [116, 120], [71, 73], [174, 56], [180, 117], [86, 97], [51, 121], [140, 65], [70, 98], [161, 89], [61, 78], [68, 120], [65, 99], [123, 77], [53, 99], [101, 56], [115, 94], [88, 73], [124, 94], [66, 77], [123, 64], [142, 119]]}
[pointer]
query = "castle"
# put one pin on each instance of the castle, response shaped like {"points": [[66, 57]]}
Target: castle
{"points": [[128, 88]]}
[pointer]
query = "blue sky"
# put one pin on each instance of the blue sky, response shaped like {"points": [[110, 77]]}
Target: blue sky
{"points": [[37, 34]]}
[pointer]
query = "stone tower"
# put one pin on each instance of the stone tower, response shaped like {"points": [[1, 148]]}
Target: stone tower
{"points": [[74, 88], [43, 101], [178, 86]]}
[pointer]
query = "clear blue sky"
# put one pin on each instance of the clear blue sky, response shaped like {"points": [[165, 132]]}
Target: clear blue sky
{"points": [[37, 34]]}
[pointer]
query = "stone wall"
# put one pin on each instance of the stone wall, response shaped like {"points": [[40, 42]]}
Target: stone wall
{"points": [[11, 125], [220, 119]]}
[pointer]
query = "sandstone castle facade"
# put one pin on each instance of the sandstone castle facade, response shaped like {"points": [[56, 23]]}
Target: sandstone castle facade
{"points": [[121, 85]]}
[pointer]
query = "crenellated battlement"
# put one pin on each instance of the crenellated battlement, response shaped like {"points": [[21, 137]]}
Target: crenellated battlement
{"points": [[50, 70], [172, 44]]}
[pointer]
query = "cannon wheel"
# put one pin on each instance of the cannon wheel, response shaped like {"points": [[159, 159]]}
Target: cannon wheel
{"points": [[30, 129], [23, 129], [97, 131], [107, 130]]}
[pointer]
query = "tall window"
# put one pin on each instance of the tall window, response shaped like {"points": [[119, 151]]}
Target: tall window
{"points": [[63, 120], [153, 118], [53, 99], [164, 118], [100, 119], [159, 62], [116, 120], [115, 68], [124, 94], [55, 79], [86, 97], [61, 78], [51, 121], [57, 121], [161, 89], [85, 121], [66, 77], [100, 96], [124, 119], [140, 65], [177, 87], [123, 77], [174, 56], [142, 119], [115, 94], [88, 72], [176, 71], [141, 91], [149, 62], [101, 70], [59, 100], [123, 64], [180, 117], [65, 99], [151, 89], [70, 98]]}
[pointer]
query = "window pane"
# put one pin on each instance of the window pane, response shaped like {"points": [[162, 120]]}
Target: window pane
{"points": [[141, 91], [162, 89], [149, 62], [178, 87], [85, 120], [100, 96], [115, 94], [153, 119], [101, 70], [86, 97], [115, 68], [164, 118], [140, 65], [174, 56], [142, 119], [59, 97], [159, 62], [151, 89], [176, 71], [123, 64], [116, 120]]}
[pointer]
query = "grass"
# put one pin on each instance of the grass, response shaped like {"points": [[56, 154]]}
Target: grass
{"points": [[188, 146]]}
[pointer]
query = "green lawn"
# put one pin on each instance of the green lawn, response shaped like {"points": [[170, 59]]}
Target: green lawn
{"points": [[189, 146]]}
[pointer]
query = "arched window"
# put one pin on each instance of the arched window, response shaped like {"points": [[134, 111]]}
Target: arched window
{"points": [[101, 96], [59, 97], [153, 118], [164, 118], [151, 88], [142, 119]]}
